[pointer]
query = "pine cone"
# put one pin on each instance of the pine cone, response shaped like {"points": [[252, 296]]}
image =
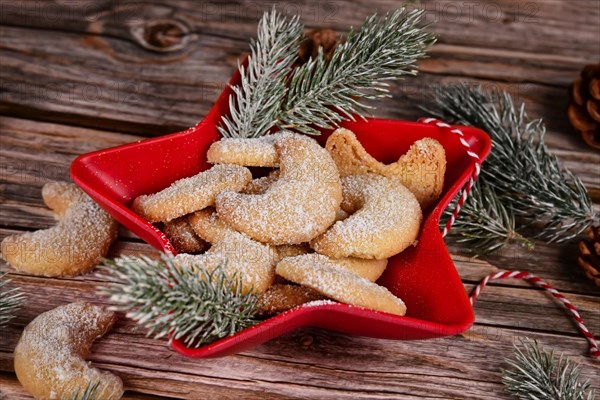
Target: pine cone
{"points": [[584, 106], [324, 37], [589, 259]]}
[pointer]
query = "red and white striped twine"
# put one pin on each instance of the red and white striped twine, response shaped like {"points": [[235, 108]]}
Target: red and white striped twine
{"points": [[472, 179], [593, 344], [594, 351]]}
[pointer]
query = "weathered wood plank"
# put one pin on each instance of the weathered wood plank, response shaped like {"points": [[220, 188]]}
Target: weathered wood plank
{"points": [[324, 365], [438, 368], [556, 27], [11, 389], [92, 79], [102, 64], [166, 100], [555, 264]]}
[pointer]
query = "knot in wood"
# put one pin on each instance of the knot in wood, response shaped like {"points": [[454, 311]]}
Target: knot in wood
{"points": [[165, 35]]}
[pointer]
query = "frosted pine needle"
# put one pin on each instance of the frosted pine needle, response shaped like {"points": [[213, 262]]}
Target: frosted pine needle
{"points": [[254, 102], [180, 301], [484, 222], [321, 94], [536, 374], [10, 301], [90, 392], [524, 178]]}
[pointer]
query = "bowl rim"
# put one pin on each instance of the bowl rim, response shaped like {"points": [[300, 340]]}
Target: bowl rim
{"points": [[305, 315]]}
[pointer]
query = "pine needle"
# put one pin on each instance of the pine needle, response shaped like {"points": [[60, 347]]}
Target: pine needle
{"points": [[10, 301], [90, 392], [254, 103], [485, 224], [524, 178], [180, 301], [322, 94], [536, 374]]}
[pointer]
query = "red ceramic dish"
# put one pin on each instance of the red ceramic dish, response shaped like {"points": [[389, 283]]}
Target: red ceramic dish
{"points": [[423, 276]]}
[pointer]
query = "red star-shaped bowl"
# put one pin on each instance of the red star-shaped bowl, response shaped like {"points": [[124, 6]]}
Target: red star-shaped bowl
{"points": [[423, 276]]}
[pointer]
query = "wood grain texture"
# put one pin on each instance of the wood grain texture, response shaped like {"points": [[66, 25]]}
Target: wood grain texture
{"points": [[323, 364], [92, 77], [86, 75]]}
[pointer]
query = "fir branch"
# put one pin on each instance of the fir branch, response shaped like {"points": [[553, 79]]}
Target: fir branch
{"points": [[321, 94], [90, 392], [535, 374], [525, 176], [254, 103], [179, 300], [485, 223], [10, 301]]}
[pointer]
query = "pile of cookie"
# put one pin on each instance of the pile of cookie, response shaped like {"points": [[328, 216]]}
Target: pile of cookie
{"points": [[320, 224]]}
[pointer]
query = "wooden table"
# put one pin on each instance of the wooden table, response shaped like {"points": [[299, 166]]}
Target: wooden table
{"points": [[78, 76]]}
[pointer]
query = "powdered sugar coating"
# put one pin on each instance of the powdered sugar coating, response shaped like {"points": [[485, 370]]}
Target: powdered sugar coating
{"points": [[316, 303], [298, 206], [317, 272], [371, 270], [76, 244], [421, 169], [207, 224], [50, 357], [191, 194], [252, 261], [385, 220], [260, 185], [253, 152]]}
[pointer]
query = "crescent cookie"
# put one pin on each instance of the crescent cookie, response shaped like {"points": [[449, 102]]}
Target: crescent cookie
{"points": [[282, 297], [297, 207], [251, 261], [49, 359], [77, 243], [316, 272], [291, 250], [385, 220], [249, 152], [421, 169], [191, 194], [260, 185], [207, 224], [368, 269], [182, 236], [371, 270]]}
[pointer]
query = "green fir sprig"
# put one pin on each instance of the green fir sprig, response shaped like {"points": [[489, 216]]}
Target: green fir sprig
{"points": [[320, 94], [527, 193], [484, 222], [254, 102], [90, 392], [537, 374], [179, 300], [10, 301]]}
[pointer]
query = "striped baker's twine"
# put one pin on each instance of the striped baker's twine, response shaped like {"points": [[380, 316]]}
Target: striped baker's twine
{"points": [[594, 351], [472, 179]]}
